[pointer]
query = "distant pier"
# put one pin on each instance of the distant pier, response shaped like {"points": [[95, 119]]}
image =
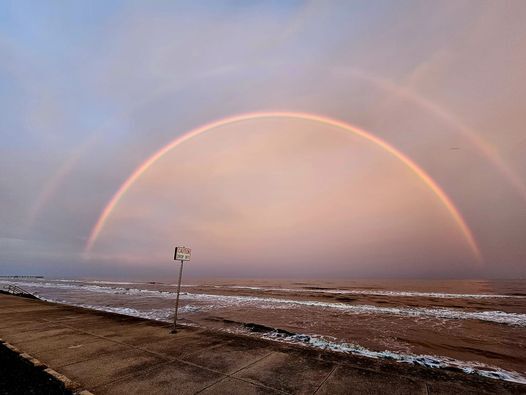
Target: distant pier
{"points": [[22, 277]]}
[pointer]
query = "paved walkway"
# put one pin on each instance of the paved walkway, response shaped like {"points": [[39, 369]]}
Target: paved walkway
{"points": [[114, 354]]}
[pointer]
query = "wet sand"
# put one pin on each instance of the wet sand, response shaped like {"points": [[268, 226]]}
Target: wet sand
{"points": [[111, 353], [478, 326]]}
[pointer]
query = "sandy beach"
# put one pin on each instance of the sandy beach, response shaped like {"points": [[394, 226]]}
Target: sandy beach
{"points": [[471, 326], [108, 353]]}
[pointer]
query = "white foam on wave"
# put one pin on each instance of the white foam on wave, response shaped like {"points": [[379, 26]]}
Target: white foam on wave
{"points": [[375, 292], [218, 301], [445, 313], [114, 282], [94, 286], [164, 314], [430, 361], [322, 342], [86, 285]]}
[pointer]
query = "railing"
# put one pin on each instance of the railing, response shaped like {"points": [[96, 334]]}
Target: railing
{"points": [[16, 290]]}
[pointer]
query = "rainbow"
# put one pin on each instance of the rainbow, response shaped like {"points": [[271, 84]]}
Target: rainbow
{"points": [[485, 149], [419, 172]]}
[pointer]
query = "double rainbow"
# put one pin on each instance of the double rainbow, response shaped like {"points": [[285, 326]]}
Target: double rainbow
{"points": [[420, 173]]}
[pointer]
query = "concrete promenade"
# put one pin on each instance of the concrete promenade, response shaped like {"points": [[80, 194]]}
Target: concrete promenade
{"points": [[113, 354]]}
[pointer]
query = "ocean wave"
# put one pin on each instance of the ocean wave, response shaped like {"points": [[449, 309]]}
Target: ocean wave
{"points": [[222, 301], [430, 361], [375, 292], [372, 292], [500, 317], [114, 282], [164, 314], [323, 343]]}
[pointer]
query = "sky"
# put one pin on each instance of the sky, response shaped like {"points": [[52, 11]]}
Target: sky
{"points": [[316, 139]]}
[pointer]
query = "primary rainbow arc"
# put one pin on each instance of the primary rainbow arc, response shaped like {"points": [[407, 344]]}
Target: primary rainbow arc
{"points": [[417, 170]]}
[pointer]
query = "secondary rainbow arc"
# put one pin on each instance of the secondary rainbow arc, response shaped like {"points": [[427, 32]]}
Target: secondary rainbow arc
{"points": [[417, 170], [485, 148]]}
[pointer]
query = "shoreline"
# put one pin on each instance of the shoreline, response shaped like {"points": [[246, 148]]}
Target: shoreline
{"points": [[151, 338], [317, 342], [314, 339]]}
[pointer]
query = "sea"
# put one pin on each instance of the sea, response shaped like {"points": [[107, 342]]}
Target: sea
{"points": [[477, 326]]}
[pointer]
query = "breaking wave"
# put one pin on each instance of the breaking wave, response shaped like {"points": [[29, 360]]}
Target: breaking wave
{"points": [[430, 361], [321, 342], [213, 301], [375, 292]]}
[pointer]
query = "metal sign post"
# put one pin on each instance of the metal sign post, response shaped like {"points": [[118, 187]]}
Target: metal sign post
{"points": [[181, 254]]}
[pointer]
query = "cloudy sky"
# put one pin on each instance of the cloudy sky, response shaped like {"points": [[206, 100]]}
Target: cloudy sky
{"points": [[432, 185]]}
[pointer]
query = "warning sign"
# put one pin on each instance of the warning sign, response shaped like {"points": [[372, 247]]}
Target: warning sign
{"points": [[182, 254]]}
